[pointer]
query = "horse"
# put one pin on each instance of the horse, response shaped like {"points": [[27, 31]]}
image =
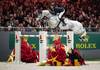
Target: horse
{"points": [[53, 21]]}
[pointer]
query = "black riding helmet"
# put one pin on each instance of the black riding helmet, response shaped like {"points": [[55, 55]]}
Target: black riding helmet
{"points": [[54, 9]]}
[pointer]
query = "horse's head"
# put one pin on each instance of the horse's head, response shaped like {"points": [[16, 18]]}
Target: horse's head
{"points": [[44, 13], [52, 20]]}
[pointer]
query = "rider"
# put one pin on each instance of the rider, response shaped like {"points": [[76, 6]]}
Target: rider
{"points": [[55, 9]]}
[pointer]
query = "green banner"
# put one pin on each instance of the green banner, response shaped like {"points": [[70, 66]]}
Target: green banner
{"points": [[34, 41], [11, 40], [51, 40], [92, 43]]}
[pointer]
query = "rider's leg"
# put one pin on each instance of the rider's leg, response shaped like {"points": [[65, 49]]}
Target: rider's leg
{"points": [[60, 15], [61, 18]]}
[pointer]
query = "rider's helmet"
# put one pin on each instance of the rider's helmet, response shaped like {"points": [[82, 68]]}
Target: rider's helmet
{"points": [[56, 9], [52, 8]]}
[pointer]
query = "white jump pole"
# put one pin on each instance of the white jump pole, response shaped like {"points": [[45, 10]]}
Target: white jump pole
{"points": [[70, 39], [42, 46], [17, 47]]}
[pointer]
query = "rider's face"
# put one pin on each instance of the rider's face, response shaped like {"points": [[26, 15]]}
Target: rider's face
{"points": [[51, 7]]}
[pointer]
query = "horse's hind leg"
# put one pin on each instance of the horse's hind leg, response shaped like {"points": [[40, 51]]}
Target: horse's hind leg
{"points": [[84, 34], [84, 37]]}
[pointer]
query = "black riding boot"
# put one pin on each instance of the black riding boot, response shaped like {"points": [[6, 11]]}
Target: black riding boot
{"points": [[62, 20]]}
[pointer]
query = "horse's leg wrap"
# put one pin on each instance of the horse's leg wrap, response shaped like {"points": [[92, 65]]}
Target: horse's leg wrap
{"points": [[84, 37]]}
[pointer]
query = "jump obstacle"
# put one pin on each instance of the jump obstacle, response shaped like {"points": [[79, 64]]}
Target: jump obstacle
{"points": [[42, 43]]}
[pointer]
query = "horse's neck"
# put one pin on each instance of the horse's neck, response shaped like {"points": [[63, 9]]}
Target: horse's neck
{"points": [[53, 21], [46, 13]]}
